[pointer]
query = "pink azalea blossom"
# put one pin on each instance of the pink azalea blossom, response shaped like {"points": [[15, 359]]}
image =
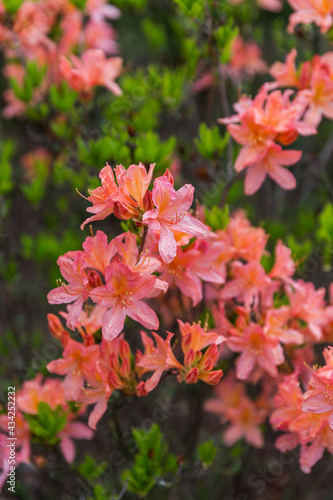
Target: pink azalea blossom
{"points": [[284, 266], [307, 304], [77, 360], [101, 197], [248, 280], [272, 164], [234, 407], [98, 392], [92, 70], [122, 296], [76, 430], [319, 399], [311, 11], [78, 288], [257, 348], [171, 214], [156, 358]]}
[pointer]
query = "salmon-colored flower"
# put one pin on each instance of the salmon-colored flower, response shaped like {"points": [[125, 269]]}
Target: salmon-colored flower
{"points": [[101, 197], [77, 360], [248, 280], [35, 391], [319, 95], [97, 392], [76, 430], [319, 399], [234, 407], [171, 214], [257, 348], [156, 358], [272, 164], [79, 285], [92, 70], [121, 296], [308, 304], [284, 266], [311, 11]]}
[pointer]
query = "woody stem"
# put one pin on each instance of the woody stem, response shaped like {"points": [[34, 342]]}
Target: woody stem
{"points": [[143, 239]]}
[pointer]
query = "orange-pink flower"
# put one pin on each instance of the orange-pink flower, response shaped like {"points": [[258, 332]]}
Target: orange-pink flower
{"points": [[92, 70], [76, 362], [257, 348], [156, 358], [171, 214], [122, 296], [311, 11]]}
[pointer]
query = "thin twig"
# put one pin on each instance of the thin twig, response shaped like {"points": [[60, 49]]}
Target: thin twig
{"points": [[143, 239]]}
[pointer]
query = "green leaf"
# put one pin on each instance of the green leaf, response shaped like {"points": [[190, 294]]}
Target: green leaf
{"points": [[207, 452], [6, 153], [150, 463], [217, 218]]}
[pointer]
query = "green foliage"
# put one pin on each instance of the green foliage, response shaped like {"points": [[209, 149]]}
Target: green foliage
{"points": [[12, 6], [217, 218], [104, 149], [173, 86], [207, 452], [33, 77], [152, 462], [325, 234], [100, 493], [150, 149], [325, 224], [210, 143], [224, 37], [301, 250], [47, 423], [90, 469], [80, 4], [6, 168], [154, 32], [192, 8], [62, 97]]}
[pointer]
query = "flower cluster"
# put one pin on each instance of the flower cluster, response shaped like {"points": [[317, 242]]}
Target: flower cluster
{"points": [[318, 12], [93, 370], [57, 42], [267, 323], [314, 82], [306, 417], [43, 415], [262, 126]]}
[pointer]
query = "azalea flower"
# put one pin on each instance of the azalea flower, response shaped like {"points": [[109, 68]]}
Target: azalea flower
{"points": [[156, 358], [35, 391], [284, 266], [272, 164], [171, 214], [76, 430], [308, 304], [77, 360], [98, 252], [101, 197], [319, 399], [319, 96], [92, 70], [311, 11], [79, 285], [97, 392], [257, 348], [121, 296], [248, 280], [234, 407]]}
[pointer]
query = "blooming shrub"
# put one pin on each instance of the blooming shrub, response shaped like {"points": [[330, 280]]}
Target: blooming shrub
{"points": [[197, 279]]}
